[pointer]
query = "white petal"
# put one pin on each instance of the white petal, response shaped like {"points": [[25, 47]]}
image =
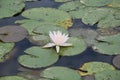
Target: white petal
{"points": [[49, 45], [66, 44], [57, 49]]}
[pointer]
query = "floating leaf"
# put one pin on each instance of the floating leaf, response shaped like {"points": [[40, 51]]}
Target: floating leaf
{"points": [[39, 39], [46, 28], [95, 67], [12, 78], [59, 17], [38, 57], [116, 61], [12, 33], [60, 73], [9, 8], [109, 22], [95, 2], [108, 75], [4, 49], [62, 0], [78, 47], [108, 44], [94, 15], [114, 3]]}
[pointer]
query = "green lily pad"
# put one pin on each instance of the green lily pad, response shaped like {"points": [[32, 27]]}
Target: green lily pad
{"points": [[108, 44], [4, 49], [114, 3], [62, 0], [95, 67], [39, 39], [12, 78], [94, 15], [38, 57], [95, 2], [109, 22], [46, 28], [59, 17], [78, 47], [9, 8], [108, 75], [60, 73]]}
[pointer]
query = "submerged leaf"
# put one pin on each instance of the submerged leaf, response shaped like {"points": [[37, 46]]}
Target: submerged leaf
{"points": [[38, 57], [9, 8], [60, 73], [12, 33]]}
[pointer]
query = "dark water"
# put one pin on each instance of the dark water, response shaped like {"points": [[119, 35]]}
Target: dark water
{"points": [[11, 66]]}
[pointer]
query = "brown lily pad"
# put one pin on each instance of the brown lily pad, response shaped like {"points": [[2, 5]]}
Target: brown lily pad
{"points": [[12, 33], [116, 61]]}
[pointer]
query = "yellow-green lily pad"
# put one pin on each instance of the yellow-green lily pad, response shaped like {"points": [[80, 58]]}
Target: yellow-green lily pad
{"points": [[12, 78]]}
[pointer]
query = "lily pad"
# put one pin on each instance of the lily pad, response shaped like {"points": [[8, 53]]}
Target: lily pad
{"points": [[12, 78], [60, 73], [39, 39], [38, 57], [4, 49], [46, 28], [9, 8], [94, 15], [12, 33], [62, 0], [78, 46], [108, 75], [59, 17], [95, 2], [108, 44], [116, 61], [95, 67]]}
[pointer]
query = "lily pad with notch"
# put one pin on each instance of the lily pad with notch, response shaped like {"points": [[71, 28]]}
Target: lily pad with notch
{"points": [[38, 57], [9, 8], [12, 33], [94, 68], [60, 73]]}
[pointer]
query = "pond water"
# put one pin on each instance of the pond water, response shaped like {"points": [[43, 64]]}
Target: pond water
{"points": [[11, 66]]}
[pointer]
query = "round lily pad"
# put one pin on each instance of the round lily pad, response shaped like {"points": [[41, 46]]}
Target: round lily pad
{"points": [[4, 49], [9, 8], [95, 2], [38, 57], [116, 61], [60, 17], [78, 46], [60, 73], [108, 44], [12, 78], [46, 28], [12, 33], [95, 67], [108, 75]]}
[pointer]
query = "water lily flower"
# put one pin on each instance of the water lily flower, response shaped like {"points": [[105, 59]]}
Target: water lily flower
{"points": [[57, 39]]}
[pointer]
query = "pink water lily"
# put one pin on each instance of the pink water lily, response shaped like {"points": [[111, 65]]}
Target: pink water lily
{"points": [[57, 39]]}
